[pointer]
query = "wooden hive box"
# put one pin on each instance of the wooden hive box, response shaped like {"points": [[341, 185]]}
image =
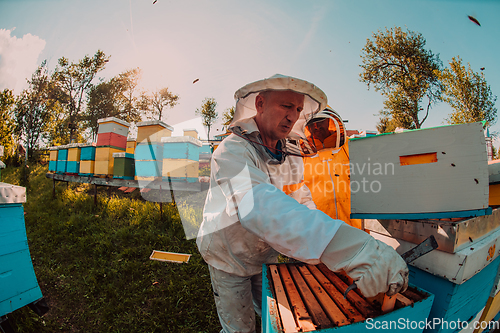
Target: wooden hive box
{"points": [[494, 180], [74, 150], [148, 161], [73, 162], [18, 283], [131, 143], [452, 235], [149, 152], [111, 140], [439, 172], [192, 132], [148, 170], [152, 131], [62, 154], [87, 168], [87, 152], [305, 298], [181, 158], [104, 161], [457, 267], [113, 125], [53, 159], [461, 282], [123, 166]]}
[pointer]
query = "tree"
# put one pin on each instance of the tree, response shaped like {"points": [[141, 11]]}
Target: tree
{"points": [[468, 94], [7, 124], [227, 116], [208, 113], [396, 64], [155, 103], [35, 109], [74, 80], [113, 98]]}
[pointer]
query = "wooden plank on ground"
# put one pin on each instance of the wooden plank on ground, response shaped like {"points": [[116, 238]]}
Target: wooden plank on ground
{"points": [[299, 310], [123, 188], [170, 256], [332, 310], [287, 320], [347, 308], [359, 302], [319, 316], [130, 190]]}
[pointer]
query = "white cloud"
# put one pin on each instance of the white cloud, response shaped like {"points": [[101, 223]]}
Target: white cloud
{"points": [[18, 59]]}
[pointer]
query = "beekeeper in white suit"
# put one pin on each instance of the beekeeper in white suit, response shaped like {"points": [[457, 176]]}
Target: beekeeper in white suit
{"points": [[258, 206]]}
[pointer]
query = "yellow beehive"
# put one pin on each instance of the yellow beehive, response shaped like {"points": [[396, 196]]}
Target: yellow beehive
{"points": [[180, 168], [106, 153], [74, 152], [53, 155], [131, 146], [87, 167], [104, 167], [192, 132], [152, 131]]}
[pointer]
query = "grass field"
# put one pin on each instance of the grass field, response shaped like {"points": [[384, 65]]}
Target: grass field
{"points": [[92, 263]]}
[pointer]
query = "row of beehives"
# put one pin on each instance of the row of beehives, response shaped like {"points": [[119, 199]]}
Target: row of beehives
{"points": [[154, 154]]}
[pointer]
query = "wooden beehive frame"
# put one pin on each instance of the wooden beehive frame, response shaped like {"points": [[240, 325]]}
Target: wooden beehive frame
{"points": [[311, 297]]}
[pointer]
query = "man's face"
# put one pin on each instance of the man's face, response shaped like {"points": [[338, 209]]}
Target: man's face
{"points": [[320, 130], [277, 112]]}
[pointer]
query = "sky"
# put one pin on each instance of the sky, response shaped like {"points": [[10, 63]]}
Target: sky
{"points": [[227, 44]]}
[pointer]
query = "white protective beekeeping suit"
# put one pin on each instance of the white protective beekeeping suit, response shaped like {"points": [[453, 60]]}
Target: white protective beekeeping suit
{"points": [[258, 206]]}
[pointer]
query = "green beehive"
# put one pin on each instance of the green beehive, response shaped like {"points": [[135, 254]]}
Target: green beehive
{"points": [[123, 166]]}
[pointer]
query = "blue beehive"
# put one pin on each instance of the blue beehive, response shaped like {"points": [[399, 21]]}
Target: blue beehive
{"points": [[87, 152], [62, 159], [18, 284], [148, 160]]}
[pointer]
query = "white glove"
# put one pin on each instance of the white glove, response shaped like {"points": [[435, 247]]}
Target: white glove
{"points": [[373, 265]]}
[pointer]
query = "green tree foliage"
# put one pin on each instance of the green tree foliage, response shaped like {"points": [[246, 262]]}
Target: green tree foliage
{"points": [[208, 113], [468, 93], [153, 104], [7, 123], [74, 80], [227, 116], [113, 98], [396, 64], [36, 109]]}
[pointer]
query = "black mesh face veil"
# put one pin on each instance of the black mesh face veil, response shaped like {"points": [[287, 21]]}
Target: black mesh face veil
{"points": [[326, 130]]}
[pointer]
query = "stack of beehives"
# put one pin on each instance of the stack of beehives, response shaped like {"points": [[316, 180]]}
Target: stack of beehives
{"points": [[111, 138], [181, 158], [408, 186], [149, 149], [87, 159]]}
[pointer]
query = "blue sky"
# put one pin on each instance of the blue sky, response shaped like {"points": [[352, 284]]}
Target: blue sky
{"points": [[227, 44]]}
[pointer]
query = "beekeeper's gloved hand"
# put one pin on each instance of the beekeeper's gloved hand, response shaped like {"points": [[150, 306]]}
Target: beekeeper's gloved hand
{"points": [[373, 265]]}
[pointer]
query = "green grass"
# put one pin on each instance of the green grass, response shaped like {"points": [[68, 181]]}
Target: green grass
{"points": [[92, 263]]}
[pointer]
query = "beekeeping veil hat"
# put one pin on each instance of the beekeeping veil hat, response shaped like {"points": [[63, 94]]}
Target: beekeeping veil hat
{"points": [[326, 129], [314, 100]]}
